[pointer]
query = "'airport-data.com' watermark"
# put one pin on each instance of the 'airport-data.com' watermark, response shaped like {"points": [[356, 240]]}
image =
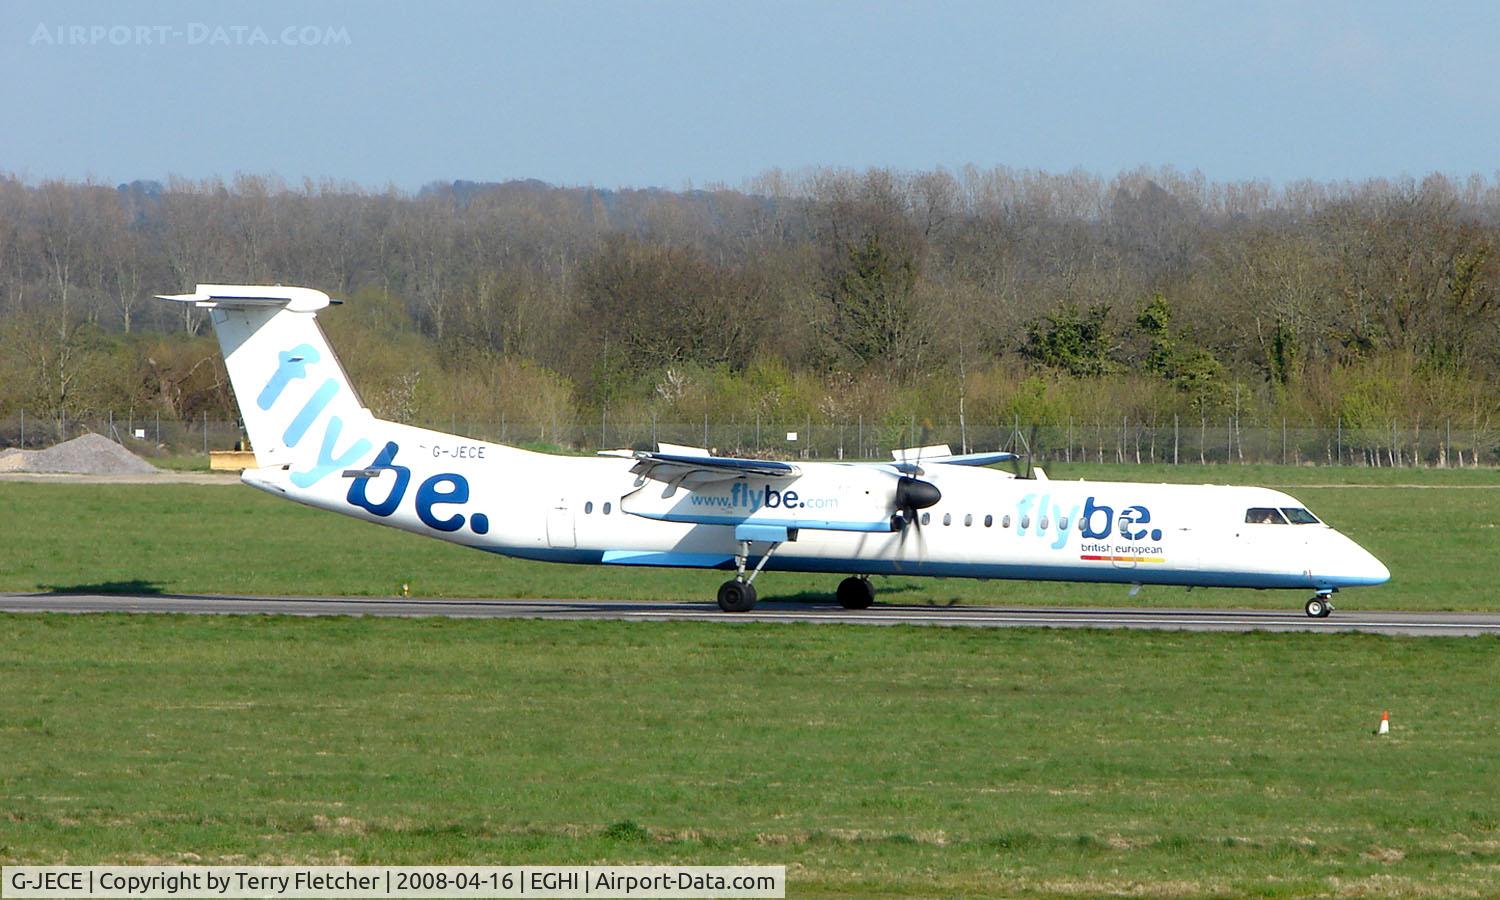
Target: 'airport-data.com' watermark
{"points": [[191, 34]]}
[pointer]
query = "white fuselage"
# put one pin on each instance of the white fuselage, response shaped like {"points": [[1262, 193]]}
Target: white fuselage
{"points": [[987, 524]]}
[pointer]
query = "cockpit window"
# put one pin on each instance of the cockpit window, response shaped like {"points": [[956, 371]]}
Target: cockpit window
{"points": [[1299, 516], [1264, 515]]}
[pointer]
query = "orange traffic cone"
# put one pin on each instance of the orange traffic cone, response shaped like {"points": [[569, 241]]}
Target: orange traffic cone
{"points": [[1385, 723]]}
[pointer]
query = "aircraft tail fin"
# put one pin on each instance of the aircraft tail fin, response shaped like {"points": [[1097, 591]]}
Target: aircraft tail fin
{"points": [[285, 375]]}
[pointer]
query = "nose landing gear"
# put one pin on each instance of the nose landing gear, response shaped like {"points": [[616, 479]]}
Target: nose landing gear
{"points": [[1320, 605]]}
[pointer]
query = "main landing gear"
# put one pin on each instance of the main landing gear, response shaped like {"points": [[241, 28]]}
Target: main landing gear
{"points": [[855, 593], [738, 595], [1321, 605]]}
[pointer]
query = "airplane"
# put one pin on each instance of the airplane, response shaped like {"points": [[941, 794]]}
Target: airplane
{"points": [[926, 512]]}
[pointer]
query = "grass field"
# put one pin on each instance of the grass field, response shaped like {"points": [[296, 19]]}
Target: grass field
{"points": [[1435, 529], [882, 761], [890, 761]]}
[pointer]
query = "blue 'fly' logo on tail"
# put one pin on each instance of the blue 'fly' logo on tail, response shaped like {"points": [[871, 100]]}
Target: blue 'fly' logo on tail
{"points": [[292, 365]]}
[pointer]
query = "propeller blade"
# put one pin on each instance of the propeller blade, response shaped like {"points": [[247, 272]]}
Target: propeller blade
{"points": [[1030, 448]]}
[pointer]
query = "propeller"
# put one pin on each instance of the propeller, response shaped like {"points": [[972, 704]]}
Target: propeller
{"points": [[1016, 460], [913, 494]]}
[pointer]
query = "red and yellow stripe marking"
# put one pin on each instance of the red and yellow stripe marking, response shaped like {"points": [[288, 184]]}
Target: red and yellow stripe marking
{"points": [[1129, 559]]}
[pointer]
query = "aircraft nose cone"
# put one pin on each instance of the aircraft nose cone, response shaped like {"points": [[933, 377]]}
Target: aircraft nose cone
{"points": [[1346, 564], [1362, 568]]}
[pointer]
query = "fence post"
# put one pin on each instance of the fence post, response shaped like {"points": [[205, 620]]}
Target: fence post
{"points": [[23, 429], [1176, 438], [1339, 430], [705, 431], [963, 428], [205, 432], [1283, 440]]}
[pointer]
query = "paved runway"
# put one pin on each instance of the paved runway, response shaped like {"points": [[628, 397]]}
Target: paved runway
{"points": [[1379, 621]]}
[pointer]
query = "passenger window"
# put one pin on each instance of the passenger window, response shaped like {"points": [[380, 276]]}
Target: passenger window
{"points": [[1264, 515], [1062, 524], [989, 521], [1042, 524], [1026, 521], [606, 509], [926, 518], [1005, 522], [968, 519], [588, 507], [1299, 516], [947, 518]]}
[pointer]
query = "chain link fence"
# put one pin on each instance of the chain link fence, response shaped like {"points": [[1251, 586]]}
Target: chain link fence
{"points": [[148, 436], [1124, 442], [1450, 444]]}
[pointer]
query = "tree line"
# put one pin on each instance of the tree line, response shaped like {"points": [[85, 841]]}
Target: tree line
{"points": [[826, 294]]}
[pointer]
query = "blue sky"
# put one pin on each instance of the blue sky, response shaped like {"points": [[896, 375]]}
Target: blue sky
{"points": [[626, 94]]}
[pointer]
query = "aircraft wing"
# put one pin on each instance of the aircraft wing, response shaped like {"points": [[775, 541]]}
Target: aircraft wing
{"points": [[690, 469], [972, 459], [910, 461]]}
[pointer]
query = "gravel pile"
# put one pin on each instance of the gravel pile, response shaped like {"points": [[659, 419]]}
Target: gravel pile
{"points": [[91, 454]]}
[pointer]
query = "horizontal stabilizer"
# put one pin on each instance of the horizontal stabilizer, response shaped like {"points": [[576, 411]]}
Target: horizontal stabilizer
{"points": [[252, 296]]}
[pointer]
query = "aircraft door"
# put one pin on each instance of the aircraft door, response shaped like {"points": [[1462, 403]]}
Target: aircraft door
{"points": [[560, 524]]}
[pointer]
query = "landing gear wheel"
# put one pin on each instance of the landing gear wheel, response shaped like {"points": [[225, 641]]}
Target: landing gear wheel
{"points": [[855, 593], [1319, 607], [736, 596]]}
